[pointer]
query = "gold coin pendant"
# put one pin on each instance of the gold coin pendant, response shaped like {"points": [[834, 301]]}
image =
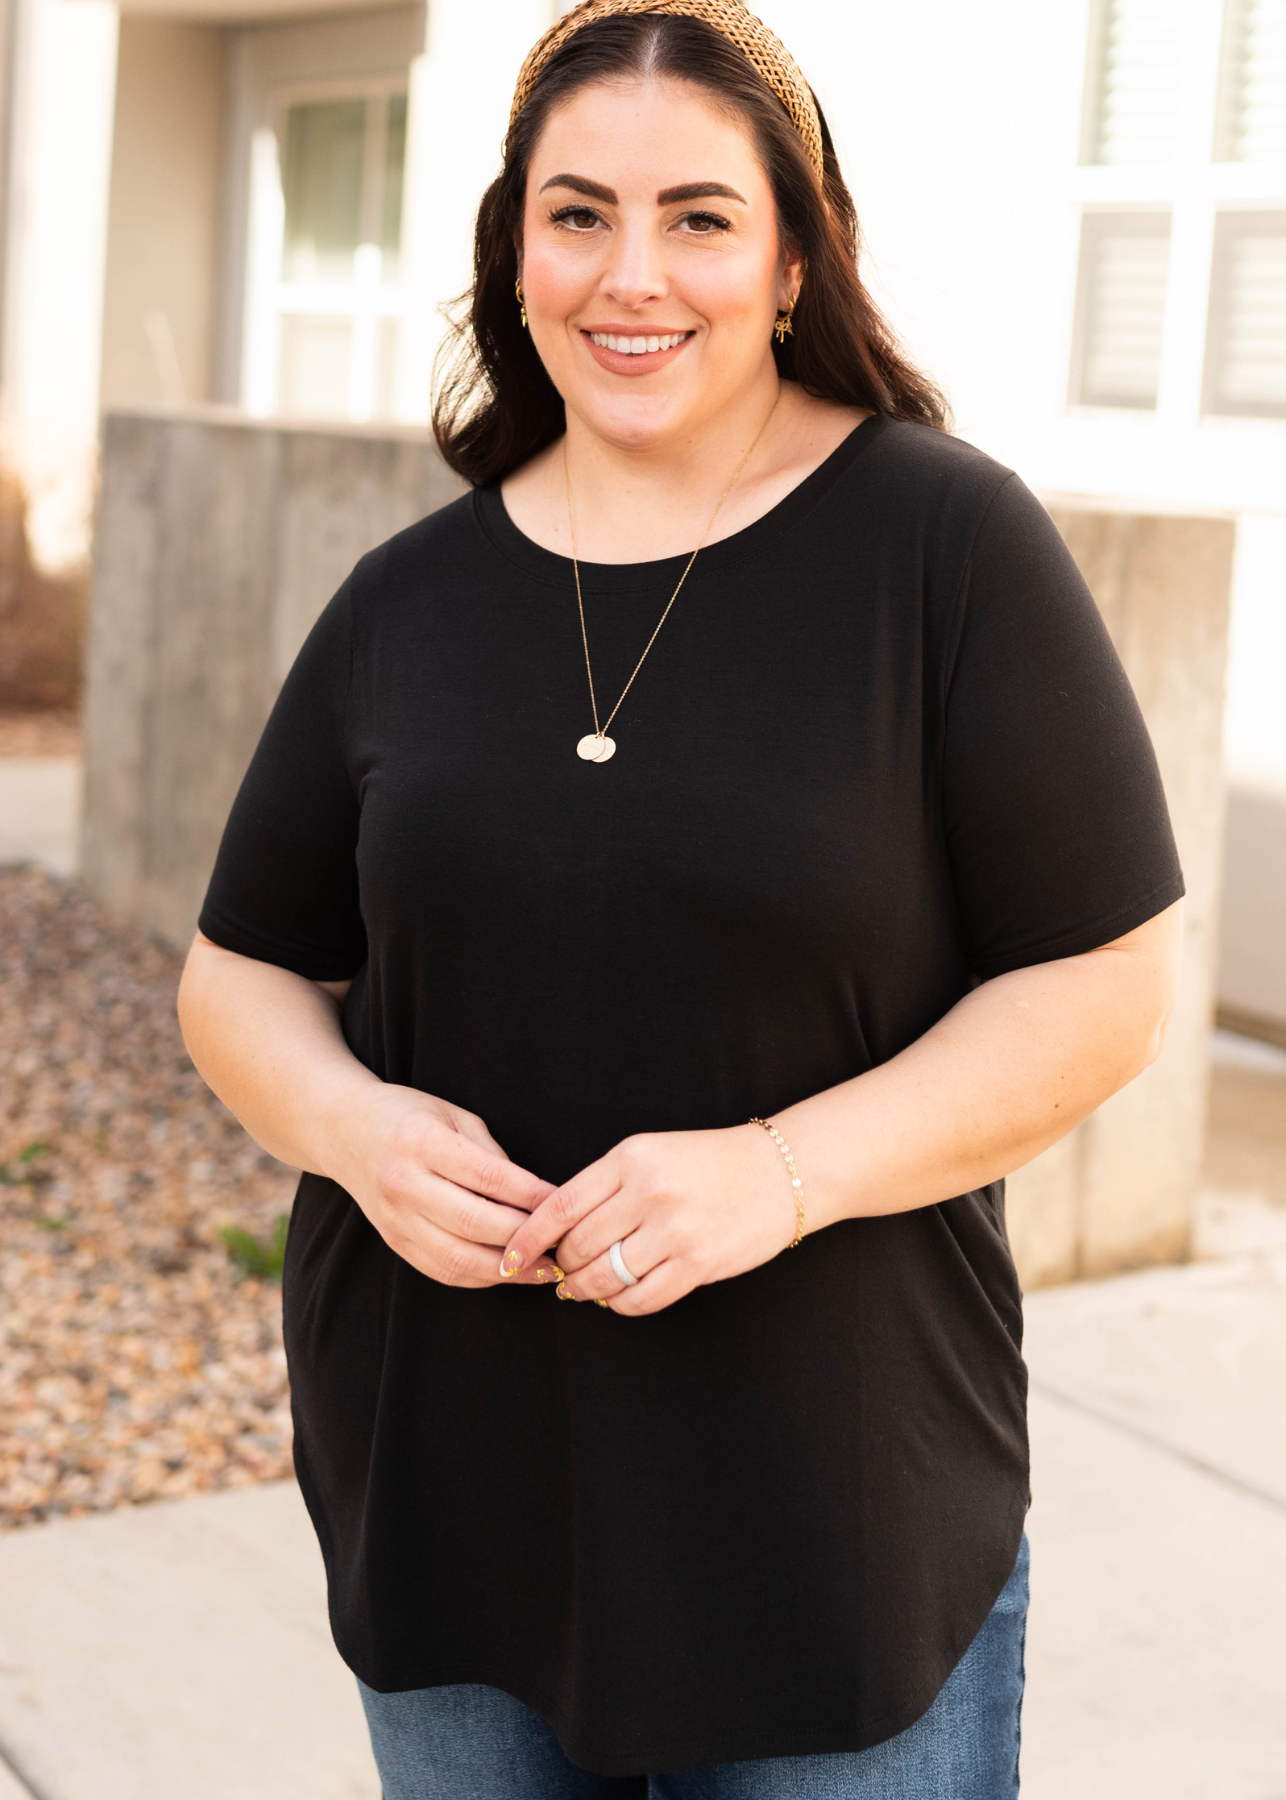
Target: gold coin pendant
{"points": [[596, 748]]}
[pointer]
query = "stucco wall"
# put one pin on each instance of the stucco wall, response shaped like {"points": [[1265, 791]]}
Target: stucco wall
{"points": [[167, 152]]}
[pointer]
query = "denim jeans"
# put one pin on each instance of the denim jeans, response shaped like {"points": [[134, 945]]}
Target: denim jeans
{"points": [[477, 1743]]}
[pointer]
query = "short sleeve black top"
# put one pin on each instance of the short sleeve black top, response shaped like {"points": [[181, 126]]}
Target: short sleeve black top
{"points": [[882, 749]]}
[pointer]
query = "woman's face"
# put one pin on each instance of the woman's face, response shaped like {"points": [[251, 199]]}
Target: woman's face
{"points": [[652, 270]]}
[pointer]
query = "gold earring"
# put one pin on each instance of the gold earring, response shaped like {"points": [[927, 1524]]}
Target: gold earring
{"points": [[522, 304], [783, 328]]}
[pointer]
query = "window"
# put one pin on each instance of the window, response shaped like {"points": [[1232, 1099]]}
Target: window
{"points": [[339, 297], [325, 326], [1246, 341], [1120, 309], [1132, 91], [1251, 123]]}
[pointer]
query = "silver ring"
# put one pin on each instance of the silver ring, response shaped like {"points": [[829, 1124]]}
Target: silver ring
{"points": [[619, 1269]]}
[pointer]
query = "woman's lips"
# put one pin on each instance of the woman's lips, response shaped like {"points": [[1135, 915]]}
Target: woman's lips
{"points": [[631, 361]]}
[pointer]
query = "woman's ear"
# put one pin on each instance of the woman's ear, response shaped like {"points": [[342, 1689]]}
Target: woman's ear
{"points": [[790, 279]]}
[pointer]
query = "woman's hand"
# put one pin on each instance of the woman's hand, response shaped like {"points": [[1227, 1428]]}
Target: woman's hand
{"points": [[687, 1207], [428, 1175], [436, 1186]]}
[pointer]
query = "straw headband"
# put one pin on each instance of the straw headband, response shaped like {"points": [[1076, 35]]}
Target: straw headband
{"points": [[752, 37]]}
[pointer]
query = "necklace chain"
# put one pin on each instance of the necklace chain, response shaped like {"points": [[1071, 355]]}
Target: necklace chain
{"points": [[600, 731]]}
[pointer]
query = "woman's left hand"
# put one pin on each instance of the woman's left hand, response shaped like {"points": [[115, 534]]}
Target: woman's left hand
{"points": [[687, 1207]]}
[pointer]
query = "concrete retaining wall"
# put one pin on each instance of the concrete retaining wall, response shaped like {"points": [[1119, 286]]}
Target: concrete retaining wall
{"points": [[1252, 939], [1118, 1193], [218, 542]]}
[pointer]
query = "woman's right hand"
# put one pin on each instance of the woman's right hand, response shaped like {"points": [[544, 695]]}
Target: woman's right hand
{"points": [[429, 1176], [436, 1186]]}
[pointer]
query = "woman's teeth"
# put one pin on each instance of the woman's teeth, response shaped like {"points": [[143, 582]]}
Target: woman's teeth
{"points": [[637, 346]]}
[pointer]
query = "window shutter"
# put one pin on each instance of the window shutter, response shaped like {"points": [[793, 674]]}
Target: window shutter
{"points": [[1133, 86], [1252, 88], [1246, 348], [1121, 308]]}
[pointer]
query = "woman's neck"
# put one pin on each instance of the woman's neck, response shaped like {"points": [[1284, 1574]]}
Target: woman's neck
{"points": [[641, 505], [632, 505]]}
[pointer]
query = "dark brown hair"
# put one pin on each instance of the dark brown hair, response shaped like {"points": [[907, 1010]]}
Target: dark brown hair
{"points": [[496, 406]]}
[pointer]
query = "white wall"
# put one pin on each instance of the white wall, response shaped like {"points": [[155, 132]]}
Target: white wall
{"points": [[65, 74], [461, 88], [166, 181], [958, 128]]}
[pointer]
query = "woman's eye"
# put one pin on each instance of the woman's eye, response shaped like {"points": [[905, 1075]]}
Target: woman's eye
{"points": [[706, 224], [580, 218]]}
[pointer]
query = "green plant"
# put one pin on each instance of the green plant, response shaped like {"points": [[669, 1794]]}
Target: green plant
{"points": [[20, 1173], [262, 1259]]}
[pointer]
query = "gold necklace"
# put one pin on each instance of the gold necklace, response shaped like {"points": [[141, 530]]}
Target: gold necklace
{"points": [[596, 746]]}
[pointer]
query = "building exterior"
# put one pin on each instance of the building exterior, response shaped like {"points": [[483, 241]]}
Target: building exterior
{"points": [[1075, 212]]}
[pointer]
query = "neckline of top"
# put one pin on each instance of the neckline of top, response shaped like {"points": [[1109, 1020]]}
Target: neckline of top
{"points": [[549, 566]]}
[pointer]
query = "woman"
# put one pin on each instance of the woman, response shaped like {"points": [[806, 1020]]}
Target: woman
{"points": [[600, 915]]}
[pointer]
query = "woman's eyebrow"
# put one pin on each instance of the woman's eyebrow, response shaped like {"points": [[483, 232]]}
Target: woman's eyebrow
{"points": [[698, 190], [688, 190], [579, 184]]}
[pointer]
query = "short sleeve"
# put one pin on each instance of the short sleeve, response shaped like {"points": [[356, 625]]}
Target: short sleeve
{"points": [[284, 887], [1057, 828]]}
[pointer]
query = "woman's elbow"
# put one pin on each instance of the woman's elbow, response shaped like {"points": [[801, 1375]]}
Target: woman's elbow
{"points": [[1156, 952]]}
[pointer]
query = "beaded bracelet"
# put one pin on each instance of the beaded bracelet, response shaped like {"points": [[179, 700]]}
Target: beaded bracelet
{"points": [[796, 1184]]}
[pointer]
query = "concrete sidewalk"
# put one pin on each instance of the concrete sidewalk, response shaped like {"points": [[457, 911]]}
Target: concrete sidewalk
{"points": [[40, 813], [182, 1649]]}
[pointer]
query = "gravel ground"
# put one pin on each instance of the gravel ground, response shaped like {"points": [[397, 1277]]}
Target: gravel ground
{"points": [[134, 1363]]}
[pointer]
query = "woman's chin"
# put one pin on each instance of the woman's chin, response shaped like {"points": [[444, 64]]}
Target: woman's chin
{"points": [[636, 423]]}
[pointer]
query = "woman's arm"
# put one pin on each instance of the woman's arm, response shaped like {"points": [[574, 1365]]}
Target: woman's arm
{"points": [[428, 1175], [1007, 1072]]}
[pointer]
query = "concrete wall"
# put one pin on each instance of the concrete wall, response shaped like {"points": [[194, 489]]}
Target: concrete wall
{"points": [[1118, 1192], [218, 543], [163, 217], [1252, 949]]}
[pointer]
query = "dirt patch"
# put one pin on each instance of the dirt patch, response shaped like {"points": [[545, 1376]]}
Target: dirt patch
{"points": [[42, 618], [134, 1364], [39, 734]]}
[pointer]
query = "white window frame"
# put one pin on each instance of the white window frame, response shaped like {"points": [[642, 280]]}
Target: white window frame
{"points": [[1194, 189], [366, 301]]}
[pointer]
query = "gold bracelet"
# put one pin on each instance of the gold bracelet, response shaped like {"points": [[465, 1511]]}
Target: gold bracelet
{"points": [[797, 1185]]}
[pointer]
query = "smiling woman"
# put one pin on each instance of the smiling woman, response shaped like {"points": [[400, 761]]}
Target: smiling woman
{"points": [[499, 401], [687, 873]]}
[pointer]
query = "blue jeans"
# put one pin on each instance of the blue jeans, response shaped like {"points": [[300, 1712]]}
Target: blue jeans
{"points": [[477, 1743]]}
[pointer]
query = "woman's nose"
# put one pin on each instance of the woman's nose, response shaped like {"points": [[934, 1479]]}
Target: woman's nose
{"points": [[635, 273]]}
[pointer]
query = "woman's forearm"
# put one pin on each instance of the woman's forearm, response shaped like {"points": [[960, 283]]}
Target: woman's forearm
{"points": [[1007, 1072], [270, 1045]]}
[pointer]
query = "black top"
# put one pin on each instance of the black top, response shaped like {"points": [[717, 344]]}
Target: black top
{"points": [[882, 748]]}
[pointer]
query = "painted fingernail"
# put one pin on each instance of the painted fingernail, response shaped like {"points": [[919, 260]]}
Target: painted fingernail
{"points": [[549, 1272], [561, 1291], [510, 1263], [602, 1303]]}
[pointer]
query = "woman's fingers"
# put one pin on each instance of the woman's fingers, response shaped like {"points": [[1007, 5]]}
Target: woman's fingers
{"points": [[487, 1172], [454, 1261], [598, 1280], [668, 1282], [616, 1218], [411, 1189], [560, 1210]]}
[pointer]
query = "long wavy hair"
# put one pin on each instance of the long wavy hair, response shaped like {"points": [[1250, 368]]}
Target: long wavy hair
{"points": [[495, 406]]}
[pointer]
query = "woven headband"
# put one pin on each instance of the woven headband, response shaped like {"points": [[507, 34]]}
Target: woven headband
{"points": [[752, 37]]}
